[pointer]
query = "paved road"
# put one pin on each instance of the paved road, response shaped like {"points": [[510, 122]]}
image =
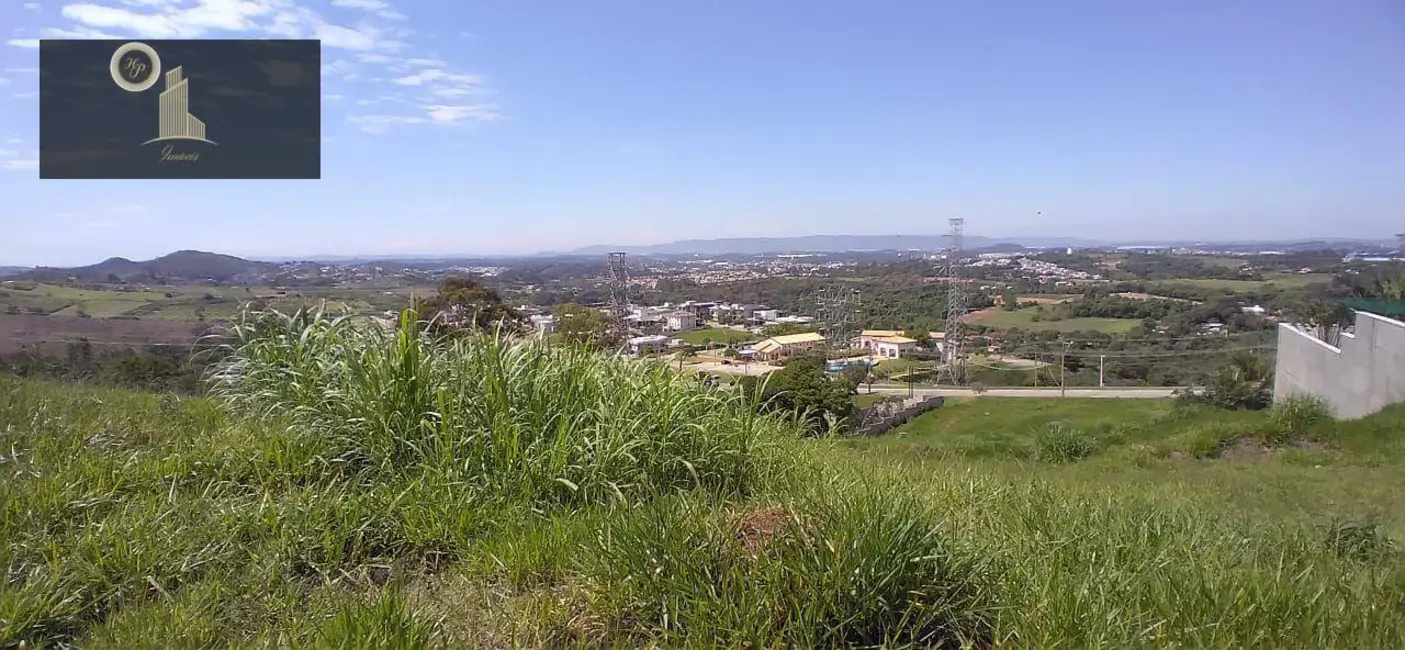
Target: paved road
{"points": [[1124, 393]]}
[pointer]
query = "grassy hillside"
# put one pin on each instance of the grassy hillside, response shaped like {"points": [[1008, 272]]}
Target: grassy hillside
{"points": [[712, 335], [349, 487], [1024, 318]]}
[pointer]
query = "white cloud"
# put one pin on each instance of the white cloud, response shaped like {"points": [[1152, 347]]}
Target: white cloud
{"points": [[8, 153], [450, 114], [28, 95], [373, 58], [31, 5], [23, 42], [4, 81], [23, 70], [426, 63], [129, 209], [377, 7], [332, 98], [344, 37], [80, 32], [382, 123], [20, 165], [14, 141]]}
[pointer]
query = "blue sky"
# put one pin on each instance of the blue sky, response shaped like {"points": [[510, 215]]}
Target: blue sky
{"points": [[510, 126]]}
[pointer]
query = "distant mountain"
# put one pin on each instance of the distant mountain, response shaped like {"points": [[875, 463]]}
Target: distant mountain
{"points": [[13, 270], [180, 265], [827, 244]]}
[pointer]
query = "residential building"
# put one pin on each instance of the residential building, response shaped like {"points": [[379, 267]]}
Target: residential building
{"points": [[544, 323], [867, 337], [641, 345], [767, 315], [891, 347], [779, 347], [681, 321]]}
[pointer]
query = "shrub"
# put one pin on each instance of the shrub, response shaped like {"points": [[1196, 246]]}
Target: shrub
{"points": [[1210, 441], [1358, 540], [1059, 443], [1296, 415], [515, 416]]}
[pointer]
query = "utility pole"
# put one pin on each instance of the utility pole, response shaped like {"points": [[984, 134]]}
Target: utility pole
{"points": [[1101, 359], [1063, 369]]}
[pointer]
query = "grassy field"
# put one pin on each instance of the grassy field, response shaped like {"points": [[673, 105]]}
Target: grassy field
{"points": [[187, 303], [348, 487], [1280, 280], [1024, 318], [1242, 462], [717, 335]]}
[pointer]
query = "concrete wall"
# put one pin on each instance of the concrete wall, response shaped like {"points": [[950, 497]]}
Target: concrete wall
{"points": [[900, 418], [1364, 375]]}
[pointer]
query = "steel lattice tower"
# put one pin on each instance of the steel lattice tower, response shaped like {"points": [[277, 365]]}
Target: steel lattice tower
{"points": [[839, 311], [955, 368], [618, 274]]}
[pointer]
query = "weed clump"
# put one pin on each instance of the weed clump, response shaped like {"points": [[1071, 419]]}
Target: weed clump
{"points": [[1060, 443], [1361, 541], [849, 570], [1295, 416], [511, 417]]}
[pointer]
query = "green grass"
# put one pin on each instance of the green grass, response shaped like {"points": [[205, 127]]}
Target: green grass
{"points": [[1024, 319], [347, 487], [1278, 279], [865, 400], [717, 335]]}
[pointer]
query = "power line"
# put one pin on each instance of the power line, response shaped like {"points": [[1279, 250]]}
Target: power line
{"points": [[1155, 355]]}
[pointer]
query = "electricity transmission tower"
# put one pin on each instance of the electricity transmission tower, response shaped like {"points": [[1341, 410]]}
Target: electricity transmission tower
{"points": [[839, 311], [617, 266], [955, 369]]}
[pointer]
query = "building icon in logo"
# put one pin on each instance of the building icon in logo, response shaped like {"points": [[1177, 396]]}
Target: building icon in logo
{"points": [[176, 122]]}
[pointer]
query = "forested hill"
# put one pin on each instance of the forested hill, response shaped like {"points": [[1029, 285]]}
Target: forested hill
{"points": [[180, 265]]}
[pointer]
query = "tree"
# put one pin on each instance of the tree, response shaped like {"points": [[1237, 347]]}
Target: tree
{"points": [[855, 373], [922, 336], [465, 304], [581, 325], [1244, 382], [1322, 318], [802, 388], [1010, 301], [688, 351]]}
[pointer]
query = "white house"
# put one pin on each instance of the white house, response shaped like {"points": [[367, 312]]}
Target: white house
{"points": [[544, 323], [768, 315], [891, 347], [641, 345], [681, 321]]}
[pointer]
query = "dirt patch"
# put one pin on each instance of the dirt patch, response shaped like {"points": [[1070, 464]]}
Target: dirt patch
{"points": [[1133, 295], [1246, 449], [754, 530], [1308, 444], [18, 331]]}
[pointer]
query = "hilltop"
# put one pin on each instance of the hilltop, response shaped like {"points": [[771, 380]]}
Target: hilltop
{"points": [[351, 487], [185, 265]]}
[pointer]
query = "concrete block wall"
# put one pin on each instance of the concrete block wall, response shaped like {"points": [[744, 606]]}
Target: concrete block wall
{"points": [[1362, 375]]}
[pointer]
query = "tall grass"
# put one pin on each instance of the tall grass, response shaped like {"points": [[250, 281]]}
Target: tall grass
{"points": [[513, 417], [353, 486]]}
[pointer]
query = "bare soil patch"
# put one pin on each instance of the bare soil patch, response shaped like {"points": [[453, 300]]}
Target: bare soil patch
{"points": [[18, 331]]}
